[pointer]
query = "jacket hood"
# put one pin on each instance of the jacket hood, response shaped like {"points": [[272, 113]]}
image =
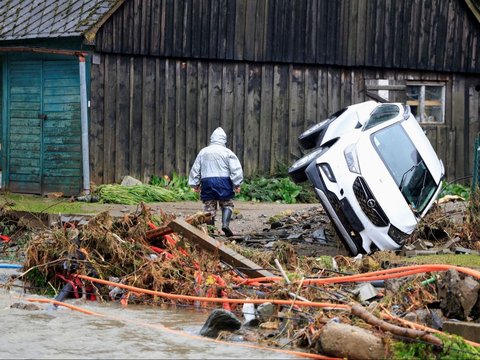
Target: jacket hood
{"points": [[218, 137]]}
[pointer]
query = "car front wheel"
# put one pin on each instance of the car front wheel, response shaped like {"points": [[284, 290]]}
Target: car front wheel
{"points": [[297, 170]]}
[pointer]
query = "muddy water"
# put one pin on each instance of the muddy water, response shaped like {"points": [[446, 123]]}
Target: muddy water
{"points": [[121, 333]]}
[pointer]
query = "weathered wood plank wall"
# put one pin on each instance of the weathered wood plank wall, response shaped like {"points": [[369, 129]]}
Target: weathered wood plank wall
{"points": [[150, 116], [173, 70], [440, 35]]}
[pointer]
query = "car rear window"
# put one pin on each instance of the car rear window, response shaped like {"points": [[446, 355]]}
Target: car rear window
{"points": [[381, 114]]}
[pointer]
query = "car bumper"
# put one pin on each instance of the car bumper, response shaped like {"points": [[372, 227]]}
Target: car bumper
{"points": [[354, 226]]}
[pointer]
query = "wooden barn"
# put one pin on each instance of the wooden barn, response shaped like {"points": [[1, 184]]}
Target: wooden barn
{"points": [[161, 75]]}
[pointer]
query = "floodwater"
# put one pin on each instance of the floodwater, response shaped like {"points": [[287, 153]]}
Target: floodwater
{"points": [[117, 332]]}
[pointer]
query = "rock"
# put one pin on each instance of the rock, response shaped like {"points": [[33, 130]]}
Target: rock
{"points": [[220, 320], [129, 181], [467, 330], [276, 225], [462, 250], [457, 297], [252, 323], [24, 306], [352, 342], [266, 311], [393, 286], [270, 325], [419, 316], [365, 292], [319, 235]]}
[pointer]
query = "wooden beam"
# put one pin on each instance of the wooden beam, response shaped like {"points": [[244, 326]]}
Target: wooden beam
{"points": [[226, 254], [376, 97]]}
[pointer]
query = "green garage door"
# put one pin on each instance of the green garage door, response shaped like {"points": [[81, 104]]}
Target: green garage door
{"points": [[44, 129]]}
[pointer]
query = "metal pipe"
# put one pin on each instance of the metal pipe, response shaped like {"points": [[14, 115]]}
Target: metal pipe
{"points": [[84, 119]]}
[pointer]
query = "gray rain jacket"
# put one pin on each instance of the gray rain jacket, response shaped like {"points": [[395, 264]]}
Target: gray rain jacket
{"points": [[217, 169]]}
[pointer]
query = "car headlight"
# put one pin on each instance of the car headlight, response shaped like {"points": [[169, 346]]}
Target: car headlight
{"points": [[327, 170], [351, 158], [398, 236]]}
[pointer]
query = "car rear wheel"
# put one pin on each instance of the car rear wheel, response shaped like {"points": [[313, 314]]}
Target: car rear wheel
{"points": [[297, 170]]}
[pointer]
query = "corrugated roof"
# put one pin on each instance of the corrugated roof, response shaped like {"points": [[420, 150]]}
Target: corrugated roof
{"points": [[31, 19]]}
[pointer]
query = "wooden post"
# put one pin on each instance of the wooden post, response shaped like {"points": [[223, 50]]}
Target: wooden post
{"points": [[226, 254]]}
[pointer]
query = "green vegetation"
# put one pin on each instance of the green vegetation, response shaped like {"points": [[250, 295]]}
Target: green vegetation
{"points": [[178, 184], [39, 204], [264, 189], [454, 347], [134, 194], [465, 260], [275, 189], [455, 189]]}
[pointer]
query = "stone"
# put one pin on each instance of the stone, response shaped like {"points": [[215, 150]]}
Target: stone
{"points": [[462, 250], [365, 291], [468, 330], [352, 342], [457, 297], [220, 320], [24, 306], [129, 181], [319, 235], [266, 311]]}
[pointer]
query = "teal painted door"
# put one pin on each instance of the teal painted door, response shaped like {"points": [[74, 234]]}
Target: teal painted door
{"points": [[44, 129]]}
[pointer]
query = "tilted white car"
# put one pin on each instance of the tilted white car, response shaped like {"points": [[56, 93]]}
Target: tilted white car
{"points": [[374, 171]]}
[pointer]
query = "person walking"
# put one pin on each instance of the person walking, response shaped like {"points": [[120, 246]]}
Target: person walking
{"points": [[217, 174]]}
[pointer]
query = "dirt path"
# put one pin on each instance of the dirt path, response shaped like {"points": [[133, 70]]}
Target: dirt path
{"points": [[249, 216]]}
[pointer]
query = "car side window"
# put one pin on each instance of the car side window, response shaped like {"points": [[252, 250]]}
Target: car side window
{"points": [[381, 114]]}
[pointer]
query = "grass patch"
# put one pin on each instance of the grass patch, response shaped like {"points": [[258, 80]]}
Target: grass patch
{"points": [[39, 204], [465, 260]]}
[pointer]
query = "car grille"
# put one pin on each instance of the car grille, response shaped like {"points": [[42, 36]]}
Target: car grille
{"points": [[368, 203]]}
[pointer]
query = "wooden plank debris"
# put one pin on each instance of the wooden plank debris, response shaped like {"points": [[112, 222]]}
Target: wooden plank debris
{"points": [[226, 254], [198, 218]]}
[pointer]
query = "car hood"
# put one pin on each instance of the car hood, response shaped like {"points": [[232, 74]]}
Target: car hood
{"points": [[386, 191]]}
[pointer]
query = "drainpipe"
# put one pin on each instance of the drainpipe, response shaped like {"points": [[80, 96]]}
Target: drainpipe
{"points": [[84, 120]]}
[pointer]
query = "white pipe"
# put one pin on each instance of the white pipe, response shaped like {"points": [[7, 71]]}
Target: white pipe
{"points": [[84, 118]]}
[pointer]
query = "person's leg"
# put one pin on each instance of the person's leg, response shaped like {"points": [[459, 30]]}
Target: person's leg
{"points": [[210, 206], [227, 211]]}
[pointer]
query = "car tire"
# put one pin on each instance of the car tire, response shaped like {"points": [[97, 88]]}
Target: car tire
{"points": [[297, 170]]}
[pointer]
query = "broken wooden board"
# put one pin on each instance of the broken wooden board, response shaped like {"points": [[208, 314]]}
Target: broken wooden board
{"points": [[226, 254], [198, 218]]}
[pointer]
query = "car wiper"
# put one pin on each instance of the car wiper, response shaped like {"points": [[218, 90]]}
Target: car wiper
{"points": [[423, 187], [400, 186], [406, 172]]}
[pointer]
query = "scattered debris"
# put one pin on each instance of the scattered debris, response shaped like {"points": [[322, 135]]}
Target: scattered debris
{"points": [[254, 291]]}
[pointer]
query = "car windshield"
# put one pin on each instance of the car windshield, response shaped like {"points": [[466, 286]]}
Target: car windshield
{"points": [[406, 166]]}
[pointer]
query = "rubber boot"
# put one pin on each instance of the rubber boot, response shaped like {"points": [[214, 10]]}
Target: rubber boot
{"points": [[226, 216]]}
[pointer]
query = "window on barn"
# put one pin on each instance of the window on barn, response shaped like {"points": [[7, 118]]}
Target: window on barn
{"points": [[427, 102]]}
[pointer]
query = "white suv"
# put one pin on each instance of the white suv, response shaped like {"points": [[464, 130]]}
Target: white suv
{"points": [[374, 171]]}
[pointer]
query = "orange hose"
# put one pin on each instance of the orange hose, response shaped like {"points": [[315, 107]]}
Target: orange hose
{"points": [[215, 300], [185, 334], [375, 275], [59, 303]]}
